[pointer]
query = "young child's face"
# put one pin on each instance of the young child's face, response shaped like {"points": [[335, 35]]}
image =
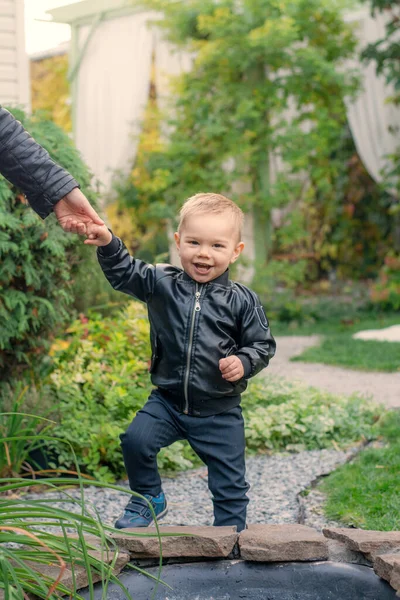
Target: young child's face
{"points": [[207, 245]]}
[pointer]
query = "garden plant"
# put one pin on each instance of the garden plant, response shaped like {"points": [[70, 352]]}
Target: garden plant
{"points": [[41, 543]]}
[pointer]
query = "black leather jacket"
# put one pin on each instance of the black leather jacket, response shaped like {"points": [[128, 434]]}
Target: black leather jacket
{"points": [[29, 167], [193, 326]]}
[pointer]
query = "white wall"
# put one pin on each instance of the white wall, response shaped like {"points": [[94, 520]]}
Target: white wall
{"points": [[14, 66]]}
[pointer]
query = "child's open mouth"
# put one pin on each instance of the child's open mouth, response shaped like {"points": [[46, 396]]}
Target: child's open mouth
{"points": [[202, 268]]}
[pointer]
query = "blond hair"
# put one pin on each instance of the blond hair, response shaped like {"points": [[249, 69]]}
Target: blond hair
{"points": [[213, 204]]}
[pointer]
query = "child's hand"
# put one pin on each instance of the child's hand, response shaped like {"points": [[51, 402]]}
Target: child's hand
{"points": [[97, 235], [231, 368]]}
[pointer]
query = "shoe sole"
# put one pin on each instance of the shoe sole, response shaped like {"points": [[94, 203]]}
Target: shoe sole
{"points": [[160, 516]]}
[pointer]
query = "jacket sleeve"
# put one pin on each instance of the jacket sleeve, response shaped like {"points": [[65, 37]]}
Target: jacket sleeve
{"points": [[29, 167], [257, 346], [125, 273]]}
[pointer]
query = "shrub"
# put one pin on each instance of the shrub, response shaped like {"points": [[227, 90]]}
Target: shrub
{"points": [[38, 261], [386, 291], [281, 415], [100, 380]]}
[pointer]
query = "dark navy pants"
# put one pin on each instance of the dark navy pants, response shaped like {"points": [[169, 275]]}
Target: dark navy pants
{"points": [[218, 440]]}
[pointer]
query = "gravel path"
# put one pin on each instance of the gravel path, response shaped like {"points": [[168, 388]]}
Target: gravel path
{"points": [[275, 483], [383, 387]]}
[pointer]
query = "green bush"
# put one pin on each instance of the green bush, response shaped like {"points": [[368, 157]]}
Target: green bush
{"points": [[282, 415], [44, 271], [100, 380], [342, 304], [38, 261], [34, 281], [385, 293]]}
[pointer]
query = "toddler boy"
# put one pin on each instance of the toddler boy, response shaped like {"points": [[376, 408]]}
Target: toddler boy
{"points": [[208, 335]]}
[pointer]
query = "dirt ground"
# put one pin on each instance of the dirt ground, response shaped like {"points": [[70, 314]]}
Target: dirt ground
{"points": [[383, 387]]}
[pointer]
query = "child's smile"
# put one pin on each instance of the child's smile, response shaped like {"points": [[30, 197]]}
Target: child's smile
{"points": [[207, 245], [202, 268]]}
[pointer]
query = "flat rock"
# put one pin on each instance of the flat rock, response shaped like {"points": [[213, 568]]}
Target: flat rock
{"points": [[384, 563], [395, 577], [280, 543], [197, 542], [370, 543], [339, 552], [78, 578]]}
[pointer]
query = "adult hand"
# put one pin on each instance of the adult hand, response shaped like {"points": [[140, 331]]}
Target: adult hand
{"points": [[74, 211]]}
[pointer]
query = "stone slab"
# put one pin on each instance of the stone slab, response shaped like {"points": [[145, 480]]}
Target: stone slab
{"points": [[199, 542], [339, 552], [384, 563], [79, 574], [395, 578], [370, 543], [281, 543]]}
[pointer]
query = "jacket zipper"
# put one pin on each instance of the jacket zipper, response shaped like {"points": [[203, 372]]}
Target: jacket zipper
{"points": [[196, 309]]}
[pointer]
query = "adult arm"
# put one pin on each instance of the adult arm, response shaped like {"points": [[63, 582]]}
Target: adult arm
{"points": [[46, 185], [29, 167]]}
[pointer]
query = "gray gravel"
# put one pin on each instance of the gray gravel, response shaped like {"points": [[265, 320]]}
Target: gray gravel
{"points": [[275, 483], [313, 511]]}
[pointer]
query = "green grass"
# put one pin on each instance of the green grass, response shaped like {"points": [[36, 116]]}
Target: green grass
{"points": [[366, 492], [342, 325], [344, 351]]}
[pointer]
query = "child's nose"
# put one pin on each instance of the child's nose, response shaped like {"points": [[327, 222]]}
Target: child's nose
{"points": [[203, 251]]}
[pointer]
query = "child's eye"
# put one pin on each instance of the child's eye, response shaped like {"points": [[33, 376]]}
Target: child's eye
{"points": [[218, 246], [193, 242]]}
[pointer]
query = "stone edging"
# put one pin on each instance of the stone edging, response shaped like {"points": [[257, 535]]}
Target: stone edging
{"points": [[272, 543], [263, 543]]}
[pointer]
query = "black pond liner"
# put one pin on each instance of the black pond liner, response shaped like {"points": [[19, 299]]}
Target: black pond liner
{"points": [[243, 580]]}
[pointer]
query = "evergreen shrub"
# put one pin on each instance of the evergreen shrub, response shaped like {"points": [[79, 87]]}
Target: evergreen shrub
{"points": [[40, 265]]}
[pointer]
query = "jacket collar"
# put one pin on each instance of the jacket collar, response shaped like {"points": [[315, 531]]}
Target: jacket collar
{"points": [[223, 279]]}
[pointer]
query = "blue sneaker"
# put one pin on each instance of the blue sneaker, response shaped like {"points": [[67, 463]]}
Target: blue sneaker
{"points": [[138, 514]]}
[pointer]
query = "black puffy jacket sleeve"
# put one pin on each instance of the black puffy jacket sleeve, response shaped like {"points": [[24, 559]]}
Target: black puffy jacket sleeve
{"points": [[125, 273], [29, 167], [256, 344]]}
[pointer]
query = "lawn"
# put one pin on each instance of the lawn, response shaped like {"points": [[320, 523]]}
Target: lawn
{"points": [[339, 348], [366, 493], [344, 351], [334, 326]]}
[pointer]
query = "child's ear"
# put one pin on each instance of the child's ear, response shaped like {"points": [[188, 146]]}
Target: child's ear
{"points": [[237, 251], [177, 240]]}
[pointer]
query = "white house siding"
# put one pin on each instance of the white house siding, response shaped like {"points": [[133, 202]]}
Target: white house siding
{"points": [[14, 69]]}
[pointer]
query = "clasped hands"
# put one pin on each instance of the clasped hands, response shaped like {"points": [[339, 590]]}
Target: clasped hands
{"points": [[96, 235], [76, 215]]}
